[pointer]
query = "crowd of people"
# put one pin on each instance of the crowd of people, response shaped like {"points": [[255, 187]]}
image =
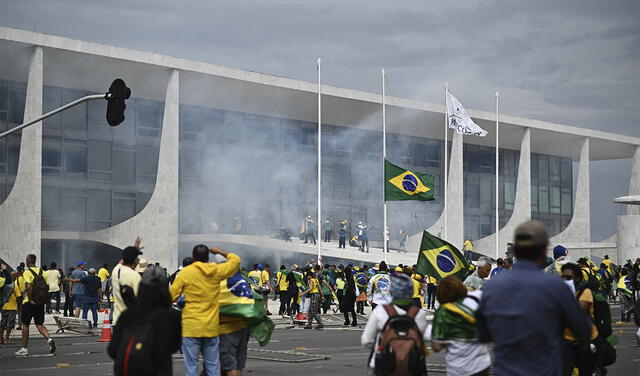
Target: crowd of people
{"points": [[543, 316]]}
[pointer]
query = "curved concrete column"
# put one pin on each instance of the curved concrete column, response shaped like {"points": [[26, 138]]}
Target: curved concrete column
{"points": [[579, 229], [634, 182], [157, 223], [521, 208], [628, 238], [20, 213], [455, 201]]}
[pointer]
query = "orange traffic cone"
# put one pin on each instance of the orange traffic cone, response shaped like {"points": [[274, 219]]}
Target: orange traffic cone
{"points": [[105, 336]]}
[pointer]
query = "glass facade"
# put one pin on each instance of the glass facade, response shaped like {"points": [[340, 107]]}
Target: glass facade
{"points": [[257, 170]]}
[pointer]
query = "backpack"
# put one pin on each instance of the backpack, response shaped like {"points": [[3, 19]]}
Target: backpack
{"points": [[135, 356], [39, 292], [601, 314], [6, 291], [400, 346], [592, 281]]}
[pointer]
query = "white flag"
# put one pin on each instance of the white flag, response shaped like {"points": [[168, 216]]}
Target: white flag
{"points": [[460, 120]]}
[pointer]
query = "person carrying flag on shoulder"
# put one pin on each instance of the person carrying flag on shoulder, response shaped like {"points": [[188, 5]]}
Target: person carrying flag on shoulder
{"points": [[378, 287]]}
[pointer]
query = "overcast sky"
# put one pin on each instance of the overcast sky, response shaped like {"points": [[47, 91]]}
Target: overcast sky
{"points": [[572, 61]]}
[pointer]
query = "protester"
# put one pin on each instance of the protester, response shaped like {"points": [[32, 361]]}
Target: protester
{"points": [[625, 294], [91, 294], [477, 280], [53, 278], [265, 282], [417, 286], [498, 269], [361, 283], [313, 291], [454, 330], [151, 322], [10, 308], [560, 257], [283, 290], [401, 290], [77, 289], [378, 287], [350, 294], [125, 280], [68, 296], [142, 265], [200, 284], [342, 237], [527, 309], [293, 291], [36, 294], [104, 275]]}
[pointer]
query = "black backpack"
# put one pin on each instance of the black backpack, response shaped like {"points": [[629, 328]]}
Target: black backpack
{"points": [[135, 356], [400, 346], [39, 292], [126, 292], [592, 281]]}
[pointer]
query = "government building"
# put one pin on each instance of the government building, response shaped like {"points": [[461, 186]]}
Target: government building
{"points": [[209, 153]]}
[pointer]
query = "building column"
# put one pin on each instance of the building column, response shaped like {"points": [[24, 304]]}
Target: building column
{"points": [[157, 223], [521, 208], [579, 229], [628, 225], [20, 213], [455, 200]]}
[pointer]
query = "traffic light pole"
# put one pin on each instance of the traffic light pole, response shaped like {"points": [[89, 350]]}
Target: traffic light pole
{"points": [[57, 110]]}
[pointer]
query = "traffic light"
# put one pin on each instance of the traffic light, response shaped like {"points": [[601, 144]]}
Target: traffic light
{"points": [[116, 96]]}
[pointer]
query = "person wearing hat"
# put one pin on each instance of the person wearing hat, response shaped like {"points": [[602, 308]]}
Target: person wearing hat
{"points": [[142, 265], [77, 289], [92, 289], [153, 308], [401, 290], [560, 257], [125, 280], [532, 315]]}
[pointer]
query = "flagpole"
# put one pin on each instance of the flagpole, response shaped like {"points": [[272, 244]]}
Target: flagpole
{"points": [[385, 249], [446, 155], [497, 176], [319, 224]]}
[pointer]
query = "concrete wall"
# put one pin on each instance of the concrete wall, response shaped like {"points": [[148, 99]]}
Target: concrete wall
{"points": [[157, 223], [579, 229], [20, 213], [628, 237], [521, 208]]}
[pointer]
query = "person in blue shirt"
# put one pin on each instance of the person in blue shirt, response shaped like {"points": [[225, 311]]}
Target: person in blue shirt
{"points": [[499, 267], [524, 312], [342, 240]]}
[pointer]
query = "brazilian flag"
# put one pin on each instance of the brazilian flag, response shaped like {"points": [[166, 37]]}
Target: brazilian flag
{"points": [[440, 259], [402, 184], [239, 302]]}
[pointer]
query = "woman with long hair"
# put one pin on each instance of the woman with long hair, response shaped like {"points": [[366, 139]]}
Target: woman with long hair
{"points": [[349, 298]]}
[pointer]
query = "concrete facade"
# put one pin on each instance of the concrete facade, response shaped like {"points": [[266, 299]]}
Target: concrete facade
{"points": [[521, 208], [579, 229], [20, 213]]}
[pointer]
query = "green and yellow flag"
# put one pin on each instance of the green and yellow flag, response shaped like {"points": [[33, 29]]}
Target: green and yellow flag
{"points": [[238, 301], [402, 184], [440, 259]]}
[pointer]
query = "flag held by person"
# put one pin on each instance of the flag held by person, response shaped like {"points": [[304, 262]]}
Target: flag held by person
{"points": [[459, 119], [402, 184], [439, 259], [237, 299]]}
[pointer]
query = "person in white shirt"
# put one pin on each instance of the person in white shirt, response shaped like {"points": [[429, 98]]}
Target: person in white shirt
{"points": [[378, 287], [53, 278], [125, 279], [401, 291]]}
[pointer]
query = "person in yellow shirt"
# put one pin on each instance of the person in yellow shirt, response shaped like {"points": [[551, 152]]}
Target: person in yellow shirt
{"points": [[578, 354], [200, 285], [608, 263], [10, 308], [313, 291], [265, 282], [283, 291], [104, 275], [468, 249], [31, 310], [53, 278], [417, 287]]}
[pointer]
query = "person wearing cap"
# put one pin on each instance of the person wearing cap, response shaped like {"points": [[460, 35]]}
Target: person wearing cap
{"points": [[560, 257], [200, 284], [124, 279], [378, 287], [77, 288], [152, 307], [92, 289], [401, 290], [526, 323]]}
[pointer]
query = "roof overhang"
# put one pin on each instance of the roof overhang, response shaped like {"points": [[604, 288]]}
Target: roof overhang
{"points": [[89, 66]]}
